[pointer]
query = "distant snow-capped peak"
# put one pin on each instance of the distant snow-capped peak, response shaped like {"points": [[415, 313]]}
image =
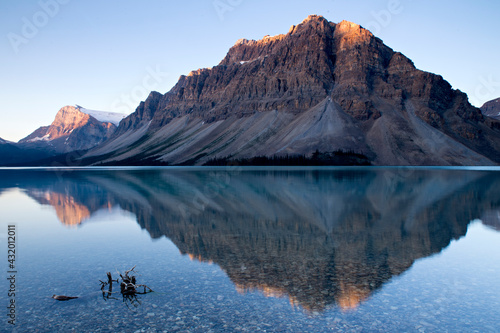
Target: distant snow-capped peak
{"points": [[103, 116]]}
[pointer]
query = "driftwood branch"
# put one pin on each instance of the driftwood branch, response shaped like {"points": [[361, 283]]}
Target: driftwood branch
{"points": [[128, 287]]}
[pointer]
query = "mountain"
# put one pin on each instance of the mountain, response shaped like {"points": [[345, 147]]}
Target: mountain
{"points": [[322, 86], [74, 128], [12, 153], [492, 109]]}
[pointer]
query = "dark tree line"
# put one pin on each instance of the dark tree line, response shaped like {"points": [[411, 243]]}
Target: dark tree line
{"points": [[335, 158]]}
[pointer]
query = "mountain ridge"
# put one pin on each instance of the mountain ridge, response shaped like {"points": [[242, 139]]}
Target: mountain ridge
{"points": [[72, 129], [246, 105], [323, 86]]}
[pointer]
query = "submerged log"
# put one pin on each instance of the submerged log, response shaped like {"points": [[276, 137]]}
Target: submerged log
{"points": [[63, 298]]}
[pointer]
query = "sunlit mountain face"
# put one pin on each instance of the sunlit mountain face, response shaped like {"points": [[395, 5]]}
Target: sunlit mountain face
{"points": [[320, 238]]}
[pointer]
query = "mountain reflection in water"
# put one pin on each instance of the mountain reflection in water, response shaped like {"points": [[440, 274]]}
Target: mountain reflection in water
{"points": [[318, 237]]}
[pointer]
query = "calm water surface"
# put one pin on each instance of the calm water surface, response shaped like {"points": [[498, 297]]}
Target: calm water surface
{"points": [[276, 250]]}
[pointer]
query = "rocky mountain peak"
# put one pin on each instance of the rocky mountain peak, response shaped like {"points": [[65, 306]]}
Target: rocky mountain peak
{"points": [[67, 119], [347, 27], [302, 35], [492, 109], [320, 86], [314, 18], [71, 130], [314, 22]]}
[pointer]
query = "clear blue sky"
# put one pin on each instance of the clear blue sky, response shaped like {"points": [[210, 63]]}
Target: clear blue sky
{"points": [[105, 55]]}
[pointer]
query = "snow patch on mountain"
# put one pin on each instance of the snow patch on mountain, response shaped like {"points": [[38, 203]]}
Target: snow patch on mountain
{"points": [[46, 137], [103, 116]]}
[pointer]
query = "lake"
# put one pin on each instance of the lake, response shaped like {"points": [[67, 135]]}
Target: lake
{"points": [[252, 249]]}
